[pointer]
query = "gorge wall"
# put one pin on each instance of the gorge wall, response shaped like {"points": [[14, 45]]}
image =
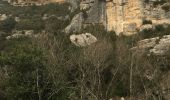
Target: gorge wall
{"points": [[122, 16], [126, 16]]}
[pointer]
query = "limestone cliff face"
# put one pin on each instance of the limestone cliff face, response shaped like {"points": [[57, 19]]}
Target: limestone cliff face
{"points": [[122, 16], [125, 16]]}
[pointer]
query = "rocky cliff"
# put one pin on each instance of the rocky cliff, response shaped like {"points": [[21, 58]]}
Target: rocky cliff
{"points": [[127, 16], [122, 16]]}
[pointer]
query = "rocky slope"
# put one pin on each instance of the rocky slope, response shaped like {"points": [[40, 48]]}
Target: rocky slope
{"points": [[157, 45], [122, 16]]}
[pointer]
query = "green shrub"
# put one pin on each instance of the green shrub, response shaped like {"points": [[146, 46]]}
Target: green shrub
{"points": [[146, 1], [30, 24], [159, 2], [159, 30], [54, 9], [53, 24], [166, 7], [7, 25], [146, 22]]}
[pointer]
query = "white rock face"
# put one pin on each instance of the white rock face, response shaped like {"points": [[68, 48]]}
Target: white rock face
{"points": [[76, 24], [125, 17], [157, 46], [28, 32], [3, 17], [17, 19], [86, 4], [122, 98], [83, 39], [146, 27], [18, 34]]}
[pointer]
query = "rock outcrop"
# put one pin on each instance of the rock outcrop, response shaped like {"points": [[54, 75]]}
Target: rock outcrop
{"points": [[74, 4], [157, 46], [125, 16], [82, 40], [76, 24], [122, 16], [18, 34], [162, 47], [3, 17]]}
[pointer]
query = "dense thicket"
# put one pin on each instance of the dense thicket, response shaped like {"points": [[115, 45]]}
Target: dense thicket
{"points": [[50, 67]]}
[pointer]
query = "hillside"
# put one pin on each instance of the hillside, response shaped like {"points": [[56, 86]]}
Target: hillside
{"points": [[84, 50]]}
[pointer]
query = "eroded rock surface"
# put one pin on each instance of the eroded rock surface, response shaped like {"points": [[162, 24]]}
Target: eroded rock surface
{"points": [[76, 24], [156, 46], [162, 46], [3, 17], [125, 16], [122, 16]]}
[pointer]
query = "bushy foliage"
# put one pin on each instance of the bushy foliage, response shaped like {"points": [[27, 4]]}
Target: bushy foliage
{"points": [[33, 23], [7, 25], [166, 7], [159, 30], [54, 25], [55, 9], [22, 60], [146, 22], [159, 2], [64, 71], [50, 67], [99, 31]]}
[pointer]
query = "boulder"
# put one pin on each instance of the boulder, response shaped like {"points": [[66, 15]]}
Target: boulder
{"points": [[28, 32], [3, 17], [82, 40], [17, 19]]}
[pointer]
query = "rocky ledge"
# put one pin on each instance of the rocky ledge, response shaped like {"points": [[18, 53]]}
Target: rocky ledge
{"points": [[157, 45]]}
